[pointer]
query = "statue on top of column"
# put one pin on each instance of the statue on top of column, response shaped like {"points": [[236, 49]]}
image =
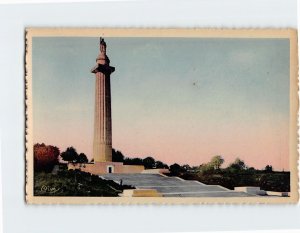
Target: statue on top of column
{"points": [[102, 46], [102, 58]]}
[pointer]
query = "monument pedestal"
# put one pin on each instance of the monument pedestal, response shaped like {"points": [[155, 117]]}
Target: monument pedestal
{"points": [[99, 168]]}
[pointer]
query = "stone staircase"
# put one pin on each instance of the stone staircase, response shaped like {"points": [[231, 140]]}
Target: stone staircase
{"points": [[173, 186]]}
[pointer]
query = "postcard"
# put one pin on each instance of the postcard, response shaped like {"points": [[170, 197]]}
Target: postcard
{"points": [[161, 116]]}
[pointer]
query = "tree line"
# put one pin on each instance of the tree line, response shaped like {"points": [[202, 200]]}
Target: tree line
{"points": [[47, 156], [214, 167], [148, 162]]}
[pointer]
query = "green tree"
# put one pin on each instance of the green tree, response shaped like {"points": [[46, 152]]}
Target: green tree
{"points": [[159, 164], [269, 168], [186, 167], [251, 170], [117, 156], [82, 158], [217, 162], [70, 155], [175, 169], [237, 165], [149, 162], [133, 161], [206, 168]]}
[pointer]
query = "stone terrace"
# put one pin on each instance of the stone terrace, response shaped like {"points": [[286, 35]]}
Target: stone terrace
{"points": [[173, 186]]}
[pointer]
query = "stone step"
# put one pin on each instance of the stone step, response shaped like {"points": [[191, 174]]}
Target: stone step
{"points": [[171, 186], [178, 189], [208, 194], [141, 193]]}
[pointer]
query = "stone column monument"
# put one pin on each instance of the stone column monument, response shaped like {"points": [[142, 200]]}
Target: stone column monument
{"points": [[102, 144]]}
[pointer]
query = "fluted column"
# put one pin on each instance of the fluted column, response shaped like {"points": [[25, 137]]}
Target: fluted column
{"points": [[102, 144]]}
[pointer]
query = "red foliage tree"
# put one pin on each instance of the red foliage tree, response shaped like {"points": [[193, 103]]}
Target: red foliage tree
{"points": [[45, 157]]}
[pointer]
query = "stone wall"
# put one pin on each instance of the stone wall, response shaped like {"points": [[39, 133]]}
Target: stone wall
{"points": [[102, 168]]}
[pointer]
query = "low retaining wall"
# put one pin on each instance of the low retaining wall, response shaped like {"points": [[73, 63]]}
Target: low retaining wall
{"points": [[106, 167], [258, 191], [156, 171]]}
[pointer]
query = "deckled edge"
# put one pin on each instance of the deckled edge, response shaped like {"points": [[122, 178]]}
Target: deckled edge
{"points": [[26, 78]]}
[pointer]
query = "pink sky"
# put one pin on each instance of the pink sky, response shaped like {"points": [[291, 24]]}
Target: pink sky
{"points": [[259, 145]]}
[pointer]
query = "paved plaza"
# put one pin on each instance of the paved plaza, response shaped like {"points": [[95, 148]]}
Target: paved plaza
{"points": [[173, 186]]}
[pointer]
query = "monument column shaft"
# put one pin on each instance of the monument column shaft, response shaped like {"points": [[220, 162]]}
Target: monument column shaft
{"points": [[102, 145]]}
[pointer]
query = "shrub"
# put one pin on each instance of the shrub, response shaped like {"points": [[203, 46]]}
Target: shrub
{"points": [[45, 157]]}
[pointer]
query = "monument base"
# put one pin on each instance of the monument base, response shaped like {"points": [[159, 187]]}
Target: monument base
{"points": [[99, 168]]}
